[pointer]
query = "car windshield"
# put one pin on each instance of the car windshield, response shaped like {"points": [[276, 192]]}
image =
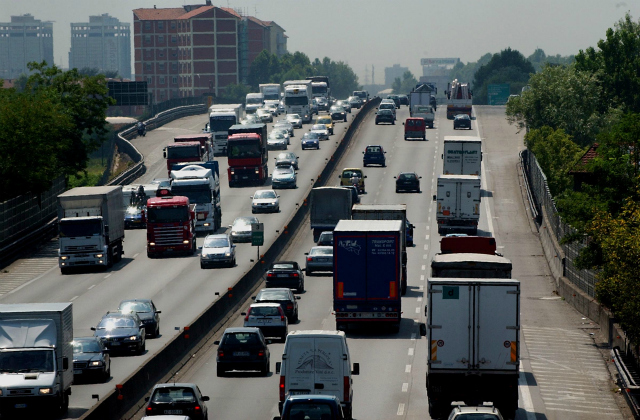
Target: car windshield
{"points": [[351, 173], [244, 221], [281, 266], [324, 120], [276, 135], [310, 410], [337, 109], [240, 338], [311, 135], [283, 170], [273, 295], [265, 194], [72, 228], [27, 361], [407, 177], [321, 251], [128, 307], [387, 106], [86, 346], [385, 112], [286, 156], [265, 311], [216, 242], [245, 150], [167, 214], [280, 129], [173, 395], [293, 117], [112, 323], [374, 149], [319, 127]]}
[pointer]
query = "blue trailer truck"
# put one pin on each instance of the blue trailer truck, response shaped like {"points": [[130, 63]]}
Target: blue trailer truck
{"points": [[367, 272]]}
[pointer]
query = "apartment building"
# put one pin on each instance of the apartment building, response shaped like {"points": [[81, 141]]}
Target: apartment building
{"points": [[23, 40], [103, 43]]}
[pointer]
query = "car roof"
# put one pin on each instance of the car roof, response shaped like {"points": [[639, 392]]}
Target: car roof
{"points": [[175, 385], [316, 397], [234, 330], [322, 247], [476, 409], [118, 314], [91, 338], [217, 235], [285, 262], [265, 305], [145, 300]]}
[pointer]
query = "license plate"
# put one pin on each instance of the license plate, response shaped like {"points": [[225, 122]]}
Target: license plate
{"points": [[115, 343], [263, 321], [240, 353], [323, 259], [20, 406], [172, 411], [300, 392], [245, 177], [77, 371], [283, 275]]}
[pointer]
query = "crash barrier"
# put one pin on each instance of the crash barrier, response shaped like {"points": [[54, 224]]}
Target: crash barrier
{"points": [[628, 380], [128, 397]]}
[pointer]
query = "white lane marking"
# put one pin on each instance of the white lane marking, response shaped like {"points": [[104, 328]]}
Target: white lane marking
{"points": [[424, 257], [527, 403], [91, 287], [407, 369], [405, 387], [411, 351], [419, 298], [421, 288], [429, 227], [400, 409], [107, 276], [74, 298], [425, 245], [486, 201], [424, 267], [427, 238], [422, 277], [135, 255], [418, 310]]}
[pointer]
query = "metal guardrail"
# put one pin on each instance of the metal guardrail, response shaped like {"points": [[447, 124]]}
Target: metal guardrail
{"points": [[628, 380]]}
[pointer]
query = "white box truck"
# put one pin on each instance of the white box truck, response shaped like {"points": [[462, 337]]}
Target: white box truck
{"points": [[462, 155], [35, 357], [473, 343], [221, 117], [317, 362], [270, 91], [253, 101], [91, 227], [458, 204], [329, 205]]}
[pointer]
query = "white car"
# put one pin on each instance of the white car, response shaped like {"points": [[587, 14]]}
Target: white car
{"points": [[269, 317], [322, 130], [295, 120], [218, 250], [284, 124], [484, 412], [241, 228], [265, 201], [277, 141], [284, 131]]}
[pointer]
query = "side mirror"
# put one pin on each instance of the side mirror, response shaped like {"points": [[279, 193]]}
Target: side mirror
{"points": [[249, 197], [106, 351], [268, 341], [243, 313], [434, 197], [423, 327], [93, 328], [419, 177], [65, 363], [277, 418], [200, 248], [402, 123], [278, 366], [395, 177], [217, 342], [146, 399], [356, 369], [365, 176], [306, 253], [205, 398], [297, 297], [158, 312], [233, 246]]}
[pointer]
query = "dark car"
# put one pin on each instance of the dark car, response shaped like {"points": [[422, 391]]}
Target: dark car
{"points": [[289, 157], [407, 181], [396, 100], [178, 399], [323, 407], [310, 140], [385, 115], [338, 113], [404, 100], [283, 296], [374, 155], [90, 360], [121, 332], [355, 194], [285, 274], [147, 311], [409, 231], [325, 238], [242, 348], [462, 121]]}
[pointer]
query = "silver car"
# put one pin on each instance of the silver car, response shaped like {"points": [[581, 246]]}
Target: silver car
{"points": [[265, 201], [269, 317], [288, 157], [322, 130], [277, 141], [218, 250], [284, 176], [295, 120], [284, 124], [241, 228], [264, 115], [319, 258], [284, 131]]}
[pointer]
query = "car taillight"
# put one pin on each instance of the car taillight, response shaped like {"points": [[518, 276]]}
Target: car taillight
{"points": [[295, 274], [269, 274], [149, 408], [261, 353], [281, 313], [246, 318], [220, 353], [347, 384], [309, 259], [197, 408], [289, 306], [282, 388]]}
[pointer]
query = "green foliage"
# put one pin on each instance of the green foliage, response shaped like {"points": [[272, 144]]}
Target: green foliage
{"points": [[509, 66], [405, 85], [557, 154], [616, 64], [539, 59], [233, 94], [50, 127], [562, 98], [466, 72]]}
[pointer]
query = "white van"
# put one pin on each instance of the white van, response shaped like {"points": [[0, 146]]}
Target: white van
{"points": [[317, 362]]}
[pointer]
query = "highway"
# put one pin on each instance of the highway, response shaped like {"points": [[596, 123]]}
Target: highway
{"points": [[564, 375]]}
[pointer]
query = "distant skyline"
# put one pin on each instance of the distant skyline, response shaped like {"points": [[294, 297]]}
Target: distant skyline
{"points": [[380, 33]]}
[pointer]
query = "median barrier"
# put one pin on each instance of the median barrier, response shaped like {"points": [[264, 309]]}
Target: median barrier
{"points": [[128, 397]]}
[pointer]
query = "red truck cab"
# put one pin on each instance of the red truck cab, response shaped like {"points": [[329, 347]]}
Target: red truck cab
{"points": [[171, 224], [205, 140], [183, 151], [247, 154]]}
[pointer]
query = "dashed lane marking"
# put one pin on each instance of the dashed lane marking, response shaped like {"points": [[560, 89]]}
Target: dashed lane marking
{"points": [[405, 387], [400, 409], [407, 369], [74, 298], [411, 351]]}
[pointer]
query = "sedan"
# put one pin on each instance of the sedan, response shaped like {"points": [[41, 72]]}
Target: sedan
{"points": [[265, 115], [295, 120], [325, 238], [404, 100], [265, 201], [338, 113], [323, 103], [242, 349], [218, 249], [283, 296], [277, 141], [355, 102], [269, 317], [178, 399], [288, 157], [407, 181], [241, 228], [286, 125], [284, 176], [322, 130], [284, 131], [345, 104], [273, 108], [285, 274], [374, 155], [90, 359], [462, 121], [385, 115], [146, 310], [310, 140], [319, 258], [326, 121], [118, 331]]}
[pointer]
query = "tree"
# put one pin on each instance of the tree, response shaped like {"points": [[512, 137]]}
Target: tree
{"points": [[466, 72], [539, 59], [509, 66], [234, 94], [405, 85]]}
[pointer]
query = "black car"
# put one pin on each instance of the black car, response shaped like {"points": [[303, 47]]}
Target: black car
{"points": [[242, 348], [396, 99], [90, 360], [147, 311], [385, 115], [374, 155], [404, 100], [121, 332], [338, 113], [325, 238], [283, 296], [407, 181], [285, 274], [462, 121], [177, 399]]}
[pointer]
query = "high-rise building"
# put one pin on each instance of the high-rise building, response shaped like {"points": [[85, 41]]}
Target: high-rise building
{"points": [[197, 50], [103, 43], [23, 40], [391, 73]]}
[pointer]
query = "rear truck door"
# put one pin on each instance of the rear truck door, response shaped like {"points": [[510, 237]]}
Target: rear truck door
{"points": [[470, 159], [382, 266], [300, 378], [350, 265], [328, 367], [447, 198], [452, 164], [469, 200], [497, 331], [449, 326]]}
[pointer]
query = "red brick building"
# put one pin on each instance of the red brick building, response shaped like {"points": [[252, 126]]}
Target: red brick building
{"points": [[198, 50]]}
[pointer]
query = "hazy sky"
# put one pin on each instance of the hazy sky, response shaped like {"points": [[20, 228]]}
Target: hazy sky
{"points": [[380, 33]]}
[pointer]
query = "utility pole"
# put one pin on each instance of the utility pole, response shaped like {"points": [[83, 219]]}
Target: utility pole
{"points": [[373, 75]]}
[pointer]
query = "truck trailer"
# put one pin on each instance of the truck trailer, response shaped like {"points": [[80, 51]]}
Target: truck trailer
{"points": [[458, 204], [367, 272], [329, 205], [462, 155], [91, 227], [35, 358]]}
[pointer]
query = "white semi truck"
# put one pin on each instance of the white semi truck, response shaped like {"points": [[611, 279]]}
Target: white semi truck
{"points": [[35, 358], [221, 117], [458, 204], [200, 184], [91, 227], [270, 91], [253, 101], [298, 97], [462, 155]]}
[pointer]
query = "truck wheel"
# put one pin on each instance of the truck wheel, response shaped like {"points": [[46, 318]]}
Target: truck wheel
{"points": [[403, 287]]}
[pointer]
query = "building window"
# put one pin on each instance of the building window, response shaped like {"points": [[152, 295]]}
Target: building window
{"points": [[160, 25], [161, 39], [147, 53], [162, 93], [161, 53], [174, 39], [161, 66], [174, 80], [149, 80], [173, 24], [174, 53], [162, 80], [174, 66], [148, 66], [147, 25], [147, 39]]}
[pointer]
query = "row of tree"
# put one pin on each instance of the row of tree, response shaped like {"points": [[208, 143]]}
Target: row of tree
{"points": [[594, 103], [49, 127]]}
